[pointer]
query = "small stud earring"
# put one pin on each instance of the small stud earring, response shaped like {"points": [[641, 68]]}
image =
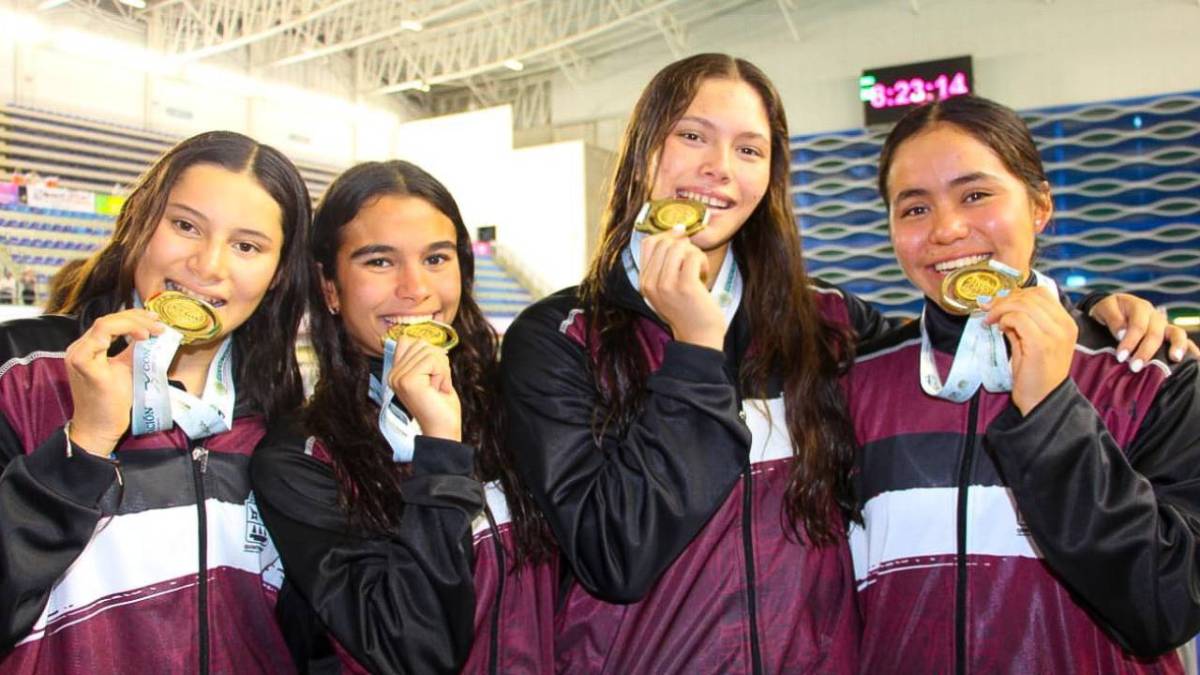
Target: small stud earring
{"points": [[333, 311]]}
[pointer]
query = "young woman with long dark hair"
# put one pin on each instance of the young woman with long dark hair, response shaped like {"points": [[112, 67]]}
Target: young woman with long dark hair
{"points": [[141, 549], [375, 540]]}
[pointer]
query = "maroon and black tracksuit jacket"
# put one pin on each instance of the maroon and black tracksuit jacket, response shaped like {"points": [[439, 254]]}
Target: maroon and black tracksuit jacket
{"points": [[154, 562], [1067, 541], [674, 529]]}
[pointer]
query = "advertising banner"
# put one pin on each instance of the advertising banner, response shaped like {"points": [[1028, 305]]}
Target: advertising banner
{"points": [[60, 198], [9, 193]]}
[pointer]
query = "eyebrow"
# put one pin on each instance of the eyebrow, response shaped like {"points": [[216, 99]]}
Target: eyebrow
{"points": [[709, 125], [961, 180], [198, 215], [376, 249]]}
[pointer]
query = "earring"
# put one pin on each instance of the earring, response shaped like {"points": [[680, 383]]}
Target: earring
{"points": [[334, 311]]}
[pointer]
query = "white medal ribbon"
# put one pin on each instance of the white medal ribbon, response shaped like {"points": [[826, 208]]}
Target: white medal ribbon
{"points": [[397, 427], [727, 290], [980, 359], [157, 406]]}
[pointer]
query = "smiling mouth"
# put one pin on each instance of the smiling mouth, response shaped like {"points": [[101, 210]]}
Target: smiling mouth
{"points": [[710, 201], [171, 285], [947, 266], [394, 319]]}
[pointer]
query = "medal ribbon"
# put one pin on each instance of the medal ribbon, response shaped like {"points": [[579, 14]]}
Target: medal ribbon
{"points": [[980, 359], [727, 290], [397, 427], [157, 406]]}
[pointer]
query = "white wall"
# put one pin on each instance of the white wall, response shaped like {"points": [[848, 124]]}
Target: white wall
{"points": [[534, 196], [1027, 53], [471, 153], [549, 226]]}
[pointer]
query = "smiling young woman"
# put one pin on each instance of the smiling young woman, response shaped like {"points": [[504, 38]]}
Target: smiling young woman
{"points": [[179, 577], [1047, 518], [369, 512]]}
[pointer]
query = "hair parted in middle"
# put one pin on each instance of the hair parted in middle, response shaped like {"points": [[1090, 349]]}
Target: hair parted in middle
{"points": [[789, 336], [268, 374], [339, 413]]}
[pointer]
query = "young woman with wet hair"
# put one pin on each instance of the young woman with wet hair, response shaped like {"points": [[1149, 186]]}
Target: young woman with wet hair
{"points": [[1048, 521], [373, 538], [143, 551], [678, 417]]}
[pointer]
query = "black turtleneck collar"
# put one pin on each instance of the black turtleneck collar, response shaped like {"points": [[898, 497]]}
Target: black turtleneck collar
{"points": [[944, 329]]}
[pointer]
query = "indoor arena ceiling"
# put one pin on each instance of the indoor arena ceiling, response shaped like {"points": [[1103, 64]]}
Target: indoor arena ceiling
{"points": [[488, 50]]}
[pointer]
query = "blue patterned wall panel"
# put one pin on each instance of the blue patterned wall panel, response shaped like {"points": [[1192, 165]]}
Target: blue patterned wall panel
{"points": [[1126, 182]]}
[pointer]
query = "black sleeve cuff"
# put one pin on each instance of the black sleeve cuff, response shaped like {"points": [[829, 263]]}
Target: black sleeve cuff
{"points": [[433, 455], [1087, 302], [82, 478], [693, 363]]}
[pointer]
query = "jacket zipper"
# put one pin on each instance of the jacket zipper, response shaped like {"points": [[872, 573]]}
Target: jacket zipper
{"points": [[199, 467], [494, 647], [965, 467], [751, 592]]}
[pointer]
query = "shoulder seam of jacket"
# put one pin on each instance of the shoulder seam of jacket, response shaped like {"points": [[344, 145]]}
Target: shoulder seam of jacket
{"points": [[1113, 350], [884, 352], [566, 323], [29, 358]]}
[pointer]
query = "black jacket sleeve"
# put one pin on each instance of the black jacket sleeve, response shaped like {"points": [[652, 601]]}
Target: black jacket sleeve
{"points": [[624, 505], [1120, 528], [866, 320], [49, 507], [399, 602]]}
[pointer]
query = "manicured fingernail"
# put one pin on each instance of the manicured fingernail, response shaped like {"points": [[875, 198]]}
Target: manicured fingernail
{"points": [[1136, 365], [679, 228], [983, 299], [1122, 355], [1177, 355], [1003, 293], [1121, 334]]}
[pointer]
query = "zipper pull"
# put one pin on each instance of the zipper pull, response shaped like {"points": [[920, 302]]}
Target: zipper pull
{"points": [[200, 454]]}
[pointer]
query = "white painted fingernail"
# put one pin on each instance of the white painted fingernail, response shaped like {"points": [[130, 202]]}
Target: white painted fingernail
{"points": [[1136, 365], [1121, 334], [1122, 355], [679, 228], [1177, 355]]}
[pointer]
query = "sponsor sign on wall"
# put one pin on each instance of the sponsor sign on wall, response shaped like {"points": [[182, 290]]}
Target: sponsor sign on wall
{"points": [[60, 198]]}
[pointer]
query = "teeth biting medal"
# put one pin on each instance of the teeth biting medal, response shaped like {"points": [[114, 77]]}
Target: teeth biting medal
{"points": [[195, 320], [435, 333], [962, 287], [661, 215]]}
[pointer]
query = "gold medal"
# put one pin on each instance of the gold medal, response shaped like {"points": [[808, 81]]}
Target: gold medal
{"points": [[195, 319], [962, 287], [661, 215], [435, 333]]}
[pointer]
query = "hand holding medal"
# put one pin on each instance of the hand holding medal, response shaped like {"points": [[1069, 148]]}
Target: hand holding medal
{"points": [[102, 386], [1042, 336], [672, 271]]}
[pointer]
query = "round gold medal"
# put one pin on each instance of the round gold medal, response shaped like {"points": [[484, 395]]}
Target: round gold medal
{"points": [[962, 287], [435, 333], [195, 319], [666, 214]]}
